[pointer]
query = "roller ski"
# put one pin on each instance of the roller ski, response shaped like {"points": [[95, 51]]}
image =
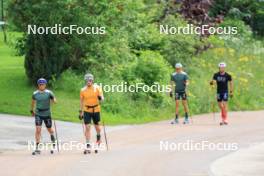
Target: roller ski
{"points": [[36, 152], [223, 123], [87, 150]]}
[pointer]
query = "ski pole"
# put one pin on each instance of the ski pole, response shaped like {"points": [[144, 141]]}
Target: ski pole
{"points": [[83, 127], [234, 102], [213, 107], [105, 136], [212, 101], [189, 110], [56, 133], [213, 104]]}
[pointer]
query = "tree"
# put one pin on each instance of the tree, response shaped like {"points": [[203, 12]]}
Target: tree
{"points": [[48, 55]]}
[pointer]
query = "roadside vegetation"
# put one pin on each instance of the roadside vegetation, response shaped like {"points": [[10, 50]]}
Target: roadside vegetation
{"points": [[132, 51]]}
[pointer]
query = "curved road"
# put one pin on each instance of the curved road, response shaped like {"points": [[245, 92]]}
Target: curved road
{"points": [[134, 150]]}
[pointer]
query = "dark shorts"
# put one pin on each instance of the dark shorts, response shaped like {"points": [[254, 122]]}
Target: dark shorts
{"points": [[47, 120], [222, 96], [180, 95], [89, 117]]}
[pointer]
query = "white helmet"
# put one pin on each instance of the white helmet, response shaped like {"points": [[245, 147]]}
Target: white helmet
{"points": [[222, 65], [88, 76], [178, 65]]}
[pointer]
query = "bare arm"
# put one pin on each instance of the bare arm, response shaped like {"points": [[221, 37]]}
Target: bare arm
{"points": [[101, 95], [171, 85], [171, 88], [33, 103], [81, 104], [231, 84], [187, 82], [213, 82], [81, 111], [54, 100]]}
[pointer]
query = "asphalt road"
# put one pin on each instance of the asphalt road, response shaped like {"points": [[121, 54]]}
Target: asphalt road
{"points": [[141, 149]]}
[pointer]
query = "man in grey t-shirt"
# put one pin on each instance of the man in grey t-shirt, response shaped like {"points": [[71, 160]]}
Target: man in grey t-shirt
{"points": [[40, 109], [180, 79]]}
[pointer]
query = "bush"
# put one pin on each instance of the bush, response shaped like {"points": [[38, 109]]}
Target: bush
{"points": [[259, 22], [178, 47], [151, 68], [244, 31], [45, 59], [250, 11], [69, 82]]}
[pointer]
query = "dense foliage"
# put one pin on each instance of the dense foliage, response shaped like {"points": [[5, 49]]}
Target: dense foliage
{"points": [[250, 11], [134, 51]]}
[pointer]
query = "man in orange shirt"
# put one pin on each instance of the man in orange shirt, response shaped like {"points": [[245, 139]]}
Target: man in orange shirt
{"points": [[90, 97]]}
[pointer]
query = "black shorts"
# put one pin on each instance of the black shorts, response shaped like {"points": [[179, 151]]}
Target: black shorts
{"points": [[89, 116], [222, 96], [180, 95], [47, 120]]}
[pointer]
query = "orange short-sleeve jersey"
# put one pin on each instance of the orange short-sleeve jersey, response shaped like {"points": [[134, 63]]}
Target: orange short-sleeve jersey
{"points": [[90, 97]]}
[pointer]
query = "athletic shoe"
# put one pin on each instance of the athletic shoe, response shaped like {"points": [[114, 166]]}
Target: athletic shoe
{"points": [[176, 121], [186, 121]]}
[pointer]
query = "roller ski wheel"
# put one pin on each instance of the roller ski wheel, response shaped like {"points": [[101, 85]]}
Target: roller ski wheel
{"points": [[36, 152], [223, 123], [85, 152], [53, 148], [176, 121], [186, 122]]}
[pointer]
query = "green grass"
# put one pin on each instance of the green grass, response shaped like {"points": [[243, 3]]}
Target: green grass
{"points": [[16, 92], [14, 88], [245, 63]]}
